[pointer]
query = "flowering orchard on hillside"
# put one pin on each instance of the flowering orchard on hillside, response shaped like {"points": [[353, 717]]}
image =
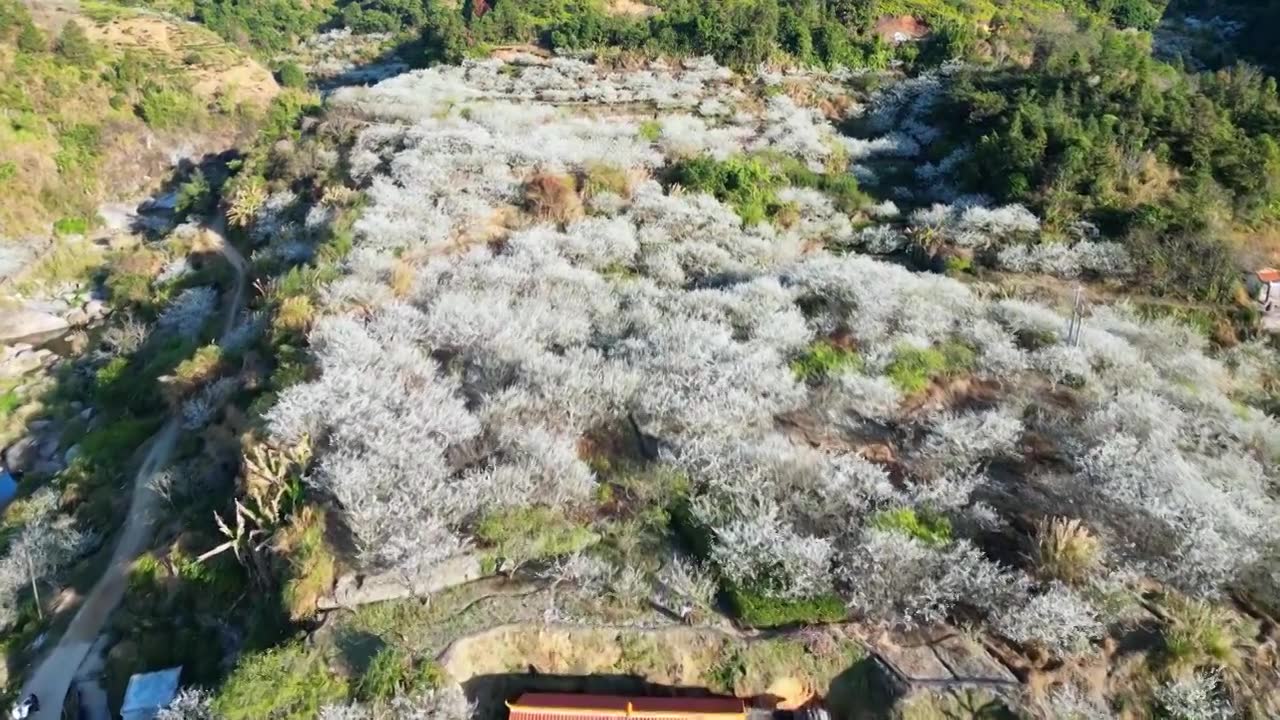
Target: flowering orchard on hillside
{"points": [[467, 387]]}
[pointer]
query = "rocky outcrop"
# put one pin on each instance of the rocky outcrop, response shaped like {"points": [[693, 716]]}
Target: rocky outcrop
{"points": [[27, 322]]}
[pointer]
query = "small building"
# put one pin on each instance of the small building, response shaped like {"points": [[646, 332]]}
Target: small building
{"points": [[148, 693], [555, 706]]}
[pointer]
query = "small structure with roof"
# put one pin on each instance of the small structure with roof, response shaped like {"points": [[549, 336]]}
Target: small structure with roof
{"points": [[1264, 288], [148, 693], [556, 706]]}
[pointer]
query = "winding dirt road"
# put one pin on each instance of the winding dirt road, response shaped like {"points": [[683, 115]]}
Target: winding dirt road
{"points": [[53, 677]]}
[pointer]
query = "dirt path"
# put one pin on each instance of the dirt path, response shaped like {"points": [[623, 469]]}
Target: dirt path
{"points": [[55, 673]]}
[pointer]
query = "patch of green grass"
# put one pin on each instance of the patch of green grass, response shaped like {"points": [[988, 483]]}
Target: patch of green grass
{"points": [[78, 149], [169, 108], [393, 673], [290, 682], [759, 611], [928, 528], [600, 178], [9, 402], [825, 360], [71, 226], [958, 264], [527, 534], [145, 575], [912, 369], [114, 443], [650, 130]]}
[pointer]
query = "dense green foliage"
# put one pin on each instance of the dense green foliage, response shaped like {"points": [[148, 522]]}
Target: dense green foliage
{"points": [[286, 682], [760, 611], [745, 183], [742, 33], [1097, 129], [266, 25]]}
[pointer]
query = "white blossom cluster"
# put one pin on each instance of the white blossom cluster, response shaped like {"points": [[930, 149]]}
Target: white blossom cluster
{"points": [[1102, 259], [186, 314], [664, 313], [420, 93], [46, 543], [968, 223]]}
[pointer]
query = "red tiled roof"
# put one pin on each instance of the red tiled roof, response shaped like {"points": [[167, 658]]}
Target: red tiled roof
{"points": [[546, 706]]}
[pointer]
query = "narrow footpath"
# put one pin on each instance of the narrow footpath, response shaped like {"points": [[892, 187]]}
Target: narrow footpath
{"points": [[54, 675]]}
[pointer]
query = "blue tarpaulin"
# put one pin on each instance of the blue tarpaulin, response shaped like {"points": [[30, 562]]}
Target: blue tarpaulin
{"points": [[148, 693], [8, 488]]}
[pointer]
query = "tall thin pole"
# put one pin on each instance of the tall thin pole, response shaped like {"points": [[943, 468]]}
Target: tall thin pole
{"points": [[35, 589]]}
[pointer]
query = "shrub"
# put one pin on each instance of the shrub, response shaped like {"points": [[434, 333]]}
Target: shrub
{"points": [[390, 673], [199, 369], [291, 75], [1137, 14], [285, 683], [553, 198], [31, 40], [294, 315], [527, 534], [248, 198], [128, 288], [825, 360], [1195, 697], [760, 611], [932, 530], [1065, 549], [1057, 619], [195, 196], [73, 45], [744, 183]]}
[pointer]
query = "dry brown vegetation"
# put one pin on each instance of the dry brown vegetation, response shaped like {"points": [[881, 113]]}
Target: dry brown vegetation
{"points": [[551, 197]]}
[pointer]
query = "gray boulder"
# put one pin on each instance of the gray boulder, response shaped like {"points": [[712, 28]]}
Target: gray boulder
{"points": [[24, 322], [20, 456]]}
